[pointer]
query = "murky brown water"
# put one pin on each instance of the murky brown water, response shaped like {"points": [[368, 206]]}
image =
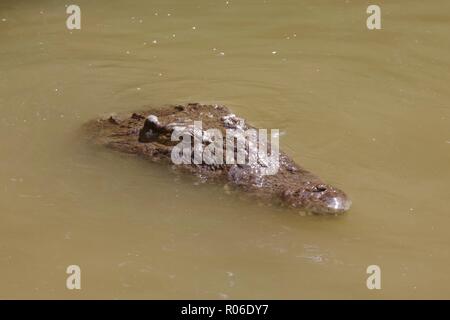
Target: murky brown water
{"points": [[366, 110]]}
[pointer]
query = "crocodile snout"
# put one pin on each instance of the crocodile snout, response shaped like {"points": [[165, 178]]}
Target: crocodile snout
{"points": [[318, 199]]}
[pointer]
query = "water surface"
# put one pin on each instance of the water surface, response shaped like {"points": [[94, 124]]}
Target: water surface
{"points": [[368, 111]]}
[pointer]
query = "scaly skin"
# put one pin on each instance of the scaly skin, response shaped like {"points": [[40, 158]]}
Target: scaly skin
{"points": [[148, 134]]}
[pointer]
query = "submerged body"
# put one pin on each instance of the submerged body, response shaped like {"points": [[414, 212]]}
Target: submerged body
{"points": [[148, 134]]}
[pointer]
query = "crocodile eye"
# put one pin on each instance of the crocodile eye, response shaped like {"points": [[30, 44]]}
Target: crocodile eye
{"points": [[149, 134]]}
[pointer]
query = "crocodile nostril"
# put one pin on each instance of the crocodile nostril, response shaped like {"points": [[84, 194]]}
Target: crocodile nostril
{"points": [[319, 189]]}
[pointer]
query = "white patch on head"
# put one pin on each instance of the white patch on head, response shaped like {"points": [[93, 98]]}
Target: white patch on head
{"points": [[153, 119]]}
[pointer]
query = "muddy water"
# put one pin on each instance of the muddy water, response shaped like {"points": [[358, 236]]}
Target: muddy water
{"points": [[366, 110]]}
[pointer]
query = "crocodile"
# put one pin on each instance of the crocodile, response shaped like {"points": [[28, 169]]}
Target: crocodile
{"points": [[148, 133]]}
